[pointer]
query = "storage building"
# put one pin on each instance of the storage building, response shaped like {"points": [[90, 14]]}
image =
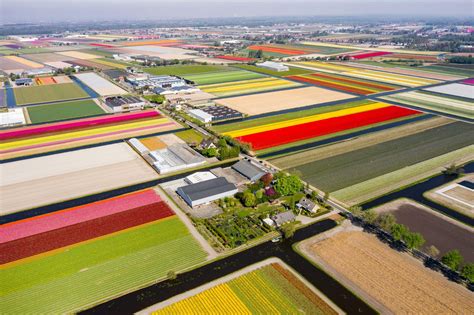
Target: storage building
{"points": [[207, 191], [273, 66], [249, 170]]}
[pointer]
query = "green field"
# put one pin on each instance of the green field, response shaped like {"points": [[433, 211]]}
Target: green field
{"points": [[350, 168], [448, 104], [448, 70], [61, 111], [291, 115], [48, 93], [184, 69], [190, 136], [221, 77], [82, 275], [21, 51], [293, 71]]}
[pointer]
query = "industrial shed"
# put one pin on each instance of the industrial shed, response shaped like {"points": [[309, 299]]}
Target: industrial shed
{"points": [[207, 191], [249, 170]]}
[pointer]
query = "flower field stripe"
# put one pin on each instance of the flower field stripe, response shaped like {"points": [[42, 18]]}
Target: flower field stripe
{"points": [[332, 84], [370, 54], [237, 87], [468, 81], [82, 133], [303, 120], [217, 300], [56, 220], [71, 140], [86, 230], [29, 131], [376, 86], [276, 137], [326, 67], [233, 83], [235, 58], [278, 50], [391, 78]]}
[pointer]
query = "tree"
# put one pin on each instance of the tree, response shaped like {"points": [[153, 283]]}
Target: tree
{"points": [[370, 216], [413, 240], [468, 272], [398, 231], [452, 259], [453, 170], [211, 152], [288, 185], [259, 194], [288, 230], [356, 211], [249, 199], [172, 275], [267, 179], [433, 251], [222, 143], [386, 220]]}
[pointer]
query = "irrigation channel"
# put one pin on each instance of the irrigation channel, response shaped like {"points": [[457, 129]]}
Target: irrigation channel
{"points": [[143, 298], [416, 192]]}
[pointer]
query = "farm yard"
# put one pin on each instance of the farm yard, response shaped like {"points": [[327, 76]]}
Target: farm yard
{"points": [[269, 289], [284, 132], [48, 93], [222, 76], [434, 102], [106, 263], [384, 277], [100, 85], [444, 233], [62, 111], [282, 100], [247, 86], [65, 176], [353, 175], [345, 84]]}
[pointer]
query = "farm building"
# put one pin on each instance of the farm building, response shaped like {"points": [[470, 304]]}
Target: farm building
{"points": [[249, 170], [174, 158], [215, 113], [186, 89], [115, 74], [41, 71], [207, 191], [163, 81], [13, 117], [200, 115], [194, 99], [120, 104], [199, 177], [273, 66], [23, 82]]}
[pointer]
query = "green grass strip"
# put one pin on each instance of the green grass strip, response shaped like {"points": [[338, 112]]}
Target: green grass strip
{"points": [[66, 110]]}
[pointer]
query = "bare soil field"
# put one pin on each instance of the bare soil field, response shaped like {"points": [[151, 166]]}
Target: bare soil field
{"points": [[454, 197], [78, 55], [391, 281], [280, 100], [50, 179], [438, 230]]}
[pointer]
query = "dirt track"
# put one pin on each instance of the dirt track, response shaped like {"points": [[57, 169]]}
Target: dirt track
{"points": [[395, 282]]}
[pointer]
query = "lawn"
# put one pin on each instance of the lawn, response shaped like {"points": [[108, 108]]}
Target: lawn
{"points": [[222, 76], [184, 69], [190, 136], [99, 269], [351, 168], [63, 111], [48, 93], [272, 289], [292, 71]]}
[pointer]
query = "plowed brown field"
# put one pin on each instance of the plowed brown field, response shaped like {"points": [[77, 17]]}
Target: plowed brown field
{"points": [[396, 281]]}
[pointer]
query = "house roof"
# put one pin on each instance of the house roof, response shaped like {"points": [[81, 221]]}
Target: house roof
{"points": [[307, 204], [248, 169], [207, 188], [283, 217]]}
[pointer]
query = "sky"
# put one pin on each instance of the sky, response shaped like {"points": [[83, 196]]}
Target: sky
{"points": [[20, 11]]}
